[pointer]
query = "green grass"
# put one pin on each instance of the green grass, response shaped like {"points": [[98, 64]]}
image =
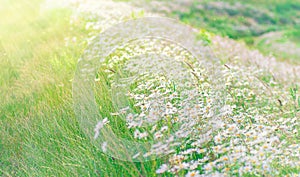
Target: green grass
{"points": [[269, 16], [39, 133], [246, 22]]}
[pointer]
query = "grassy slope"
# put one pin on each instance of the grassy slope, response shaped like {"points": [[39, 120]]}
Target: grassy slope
{"points": [[243, 20], [39, 133]]}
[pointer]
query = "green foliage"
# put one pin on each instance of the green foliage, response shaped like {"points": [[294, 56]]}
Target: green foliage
{"points": [[247, 20], [204, 36], [224, 20], [39, 134], [294, 35]]}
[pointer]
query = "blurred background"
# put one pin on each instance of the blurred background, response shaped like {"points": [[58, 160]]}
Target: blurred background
{"points": [[271, 26]]}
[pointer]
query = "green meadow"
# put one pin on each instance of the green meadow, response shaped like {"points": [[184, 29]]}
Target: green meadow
{"points": [[39, 50]]}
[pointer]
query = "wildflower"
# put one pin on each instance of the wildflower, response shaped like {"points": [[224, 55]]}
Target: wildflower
{"points": [[218, 139], [245, 169], [130, 117], [192, 174], [182, 166], [201, 150], [99, 126], [139, 135], [163, 168], [194, 165], [208, 167], [231, 127], [164, 128], [224, 159]]}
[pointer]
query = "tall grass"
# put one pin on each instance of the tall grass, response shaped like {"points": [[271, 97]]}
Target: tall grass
{"points": [[39, 133]]}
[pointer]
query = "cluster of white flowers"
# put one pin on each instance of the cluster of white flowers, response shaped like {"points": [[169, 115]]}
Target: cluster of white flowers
{"points": [[249, 132], [242, 120], [233, 52]]}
